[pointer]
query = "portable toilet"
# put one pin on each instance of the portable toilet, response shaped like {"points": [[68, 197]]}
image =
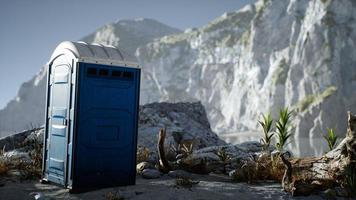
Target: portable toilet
{"points": [[91, 117]]}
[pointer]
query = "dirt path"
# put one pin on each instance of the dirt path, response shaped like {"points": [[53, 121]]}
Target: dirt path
{"points": [[209, 187]]}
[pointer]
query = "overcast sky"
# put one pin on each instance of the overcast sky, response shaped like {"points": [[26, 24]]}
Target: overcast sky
{"points": [[31, 29]]}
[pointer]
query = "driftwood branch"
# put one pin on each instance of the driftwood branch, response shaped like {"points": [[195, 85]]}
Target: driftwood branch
{"points": [[163, 162]]}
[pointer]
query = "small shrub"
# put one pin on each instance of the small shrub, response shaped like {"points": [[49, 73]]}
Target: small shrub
{"points": [[183, 148], [266, 124], [283, 128], [224, 158], [331, 138], [186, 149], [143, 154]]}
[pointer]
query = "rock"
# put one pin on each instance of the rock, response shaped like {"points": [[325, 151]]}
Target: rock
{"points": [[20, 139], [251, 146], [17, 155], [185, 123], [179, 173], [341, 192], [151, 174], [330, 194], [232, 173], [142, 166], [38, 196]]}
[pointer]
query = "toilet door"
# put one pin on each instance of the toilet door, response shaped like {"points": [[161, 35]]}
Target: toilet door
{"points": [[58, 123]]}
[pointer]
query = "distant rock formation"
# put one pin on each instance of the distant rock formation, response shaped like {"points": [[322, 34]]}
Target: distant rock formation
{"points": [[268, 55]]}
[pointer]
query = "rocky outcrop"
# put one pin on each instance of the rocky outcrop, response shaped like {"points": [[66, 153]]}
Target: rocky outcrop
{"points": [[265, 56], [185, 123]]}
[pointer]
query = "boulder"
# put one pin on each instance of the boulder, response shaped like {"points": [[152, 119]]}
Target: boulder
{"points": [[179, 174], [142, 166], [151, 173]]}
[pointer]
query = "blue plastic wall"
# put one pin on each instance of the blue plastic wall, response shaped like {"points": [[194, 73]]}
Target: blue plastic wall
{"points": [[105, 120]]}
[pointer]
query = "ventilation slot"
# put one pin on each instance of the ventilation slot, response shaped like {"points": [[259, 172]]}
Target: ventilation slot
{"points": [[116, 74], [109, 74], [103, 72], [128, 75], [91, 71]]}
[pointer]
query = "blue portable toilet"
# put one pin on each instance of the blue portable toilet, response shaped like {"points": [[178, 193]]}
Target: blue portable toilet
{"points": [[91, 117]]}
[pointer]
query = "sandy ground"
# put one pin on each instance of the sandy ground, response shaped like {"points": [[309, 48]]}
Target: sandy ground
{"points": [[209, 187]]}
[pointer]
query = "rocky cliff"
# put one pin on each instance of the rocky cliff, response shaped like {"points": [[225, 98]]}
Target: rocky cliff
{"points": [[296, 53], [272, 54]]}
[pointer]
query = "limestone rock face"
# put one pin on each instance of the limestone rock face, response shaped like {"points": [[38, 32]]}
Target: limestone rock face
{"points": [[272, 54], [268, 55]]}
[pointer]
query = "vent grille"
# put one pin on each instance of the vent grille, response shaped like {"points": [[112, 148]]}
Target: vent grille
{"points": [[93, 72]]}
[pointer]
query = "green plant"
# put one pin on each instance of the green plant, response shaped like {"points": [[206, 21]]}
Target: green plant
{"points": [[283, 128], [266, 124], [331, 138]]}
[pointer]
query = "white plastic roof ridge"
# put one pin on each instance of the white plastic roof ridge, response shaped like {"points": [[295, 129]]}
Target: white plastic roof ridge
{"points": [[92, 52]]}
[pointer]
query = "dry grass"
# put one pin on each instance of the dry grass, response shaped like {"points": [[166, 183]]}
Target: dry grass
{"points": [[185, 182], [114, 196], [3, 167], [183, 148], [259, 169], [143, 154], [28, 169]]}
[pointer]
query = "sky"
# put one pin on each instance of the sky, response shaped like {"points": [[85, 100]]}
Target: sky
{"points": [[31, 29]]}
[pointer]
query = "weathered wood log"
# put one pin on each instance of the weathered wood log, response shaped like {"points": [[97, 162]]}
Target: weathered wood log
{"points": [[163, 162], [319, 173]]}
